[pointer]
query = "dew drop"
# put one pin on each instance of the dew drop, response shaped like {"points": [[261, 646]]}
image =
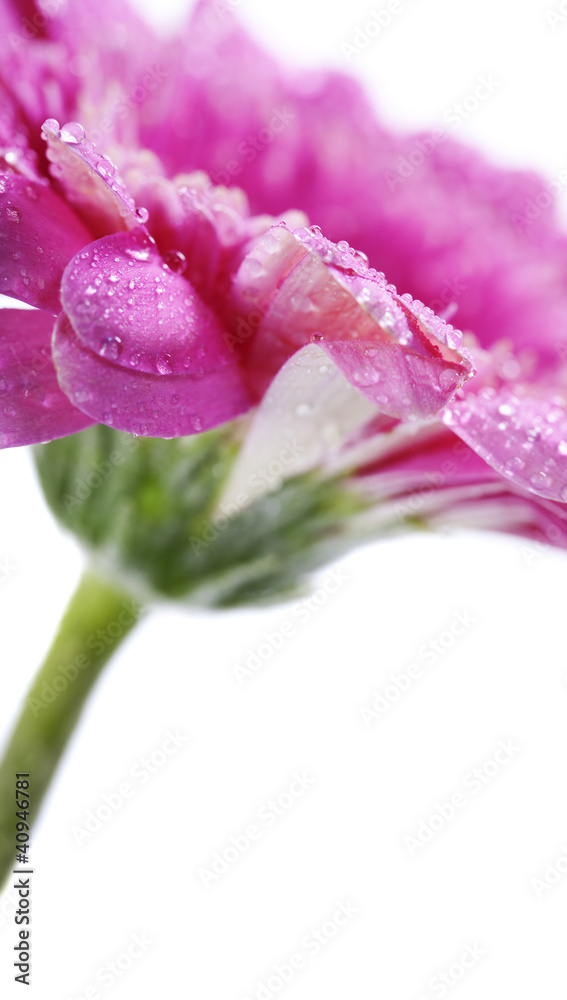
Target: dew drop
{"points": [[163, 364], [448, 378], [142, 215], [175, 261], [73, 133], [111, 348], [562, 447], [316, 338], [50, 127], [539, 479], [108, 418], [105, 168], [13, 213]]}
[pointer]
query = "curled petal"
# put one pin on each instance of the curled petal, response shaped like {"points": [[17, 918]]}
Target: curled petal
{"points": [[129, 307], [296, 286], [32, 406], [519, 433], [140, 403], [38, 236], [89, 180]]}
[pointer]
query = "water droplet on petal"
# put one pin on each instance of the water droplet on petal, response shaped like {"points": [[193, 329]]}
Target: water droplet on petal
{"points": [[111, 348], [175, 261], [72, 132], [50, 127], [142, 215], [448, 378], [303, 410], [13, 213], [163, 364], [105, 168], [316, 338]]}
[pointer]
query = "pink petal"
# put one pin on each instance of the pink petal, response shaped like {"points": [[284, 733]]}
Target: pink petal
{"points": [[154, 405], [519, 433], [38, 237], [296, 286], [32, 406], [89, 180], [126, 305]]}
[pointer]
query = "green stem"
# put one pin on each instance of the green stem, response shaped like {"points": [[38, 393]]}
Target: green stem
{"points": [[98, 618]]}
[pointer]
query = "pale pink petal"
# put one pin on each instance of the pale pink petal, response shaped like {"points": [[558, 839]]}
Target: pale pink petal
{"points": [[151, 405], [32, 406]]}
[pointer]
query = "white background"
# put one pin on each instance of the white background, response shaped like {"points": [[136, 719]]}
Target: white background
{"points": [[343, 840]]}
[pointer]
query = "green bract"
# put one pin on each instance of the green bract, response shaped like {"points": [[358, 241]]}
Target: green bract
{"points": [[148, 511]]}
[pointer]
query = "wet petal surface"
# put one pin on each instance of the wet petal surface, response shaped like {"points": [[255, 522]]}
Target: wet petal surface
{"points": [[32, 406], [140, 403]]}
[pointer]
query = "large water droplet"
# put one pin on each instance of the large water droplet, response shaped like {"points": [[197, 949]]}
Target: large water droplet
{"points": [[105, 168], [175, 261], [448, 379], [50, 128], [111, 348], [13, 214], [142, 215], [163, 364], [73, 133]]}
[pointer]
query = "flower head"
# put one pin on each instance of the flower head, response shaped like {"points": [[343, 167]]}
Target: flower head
{"points": [[168, 302]]}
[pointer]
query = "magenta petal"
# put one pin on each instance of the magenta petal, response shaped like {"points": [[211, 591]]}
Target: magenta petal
{"points": [[32, 406], [89, 180], [296, 286], [400, 383], [126, 305], [520, 434], [38, 237], [151, 405]]}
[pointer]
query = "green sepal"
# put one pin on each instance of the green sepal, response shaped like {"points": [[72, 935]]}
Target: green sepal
{"points": [[145, 508]]}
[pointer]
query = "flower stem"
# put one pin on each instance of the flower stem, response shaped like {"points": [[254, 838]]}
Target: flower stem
{"points": [[99, 616]]}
